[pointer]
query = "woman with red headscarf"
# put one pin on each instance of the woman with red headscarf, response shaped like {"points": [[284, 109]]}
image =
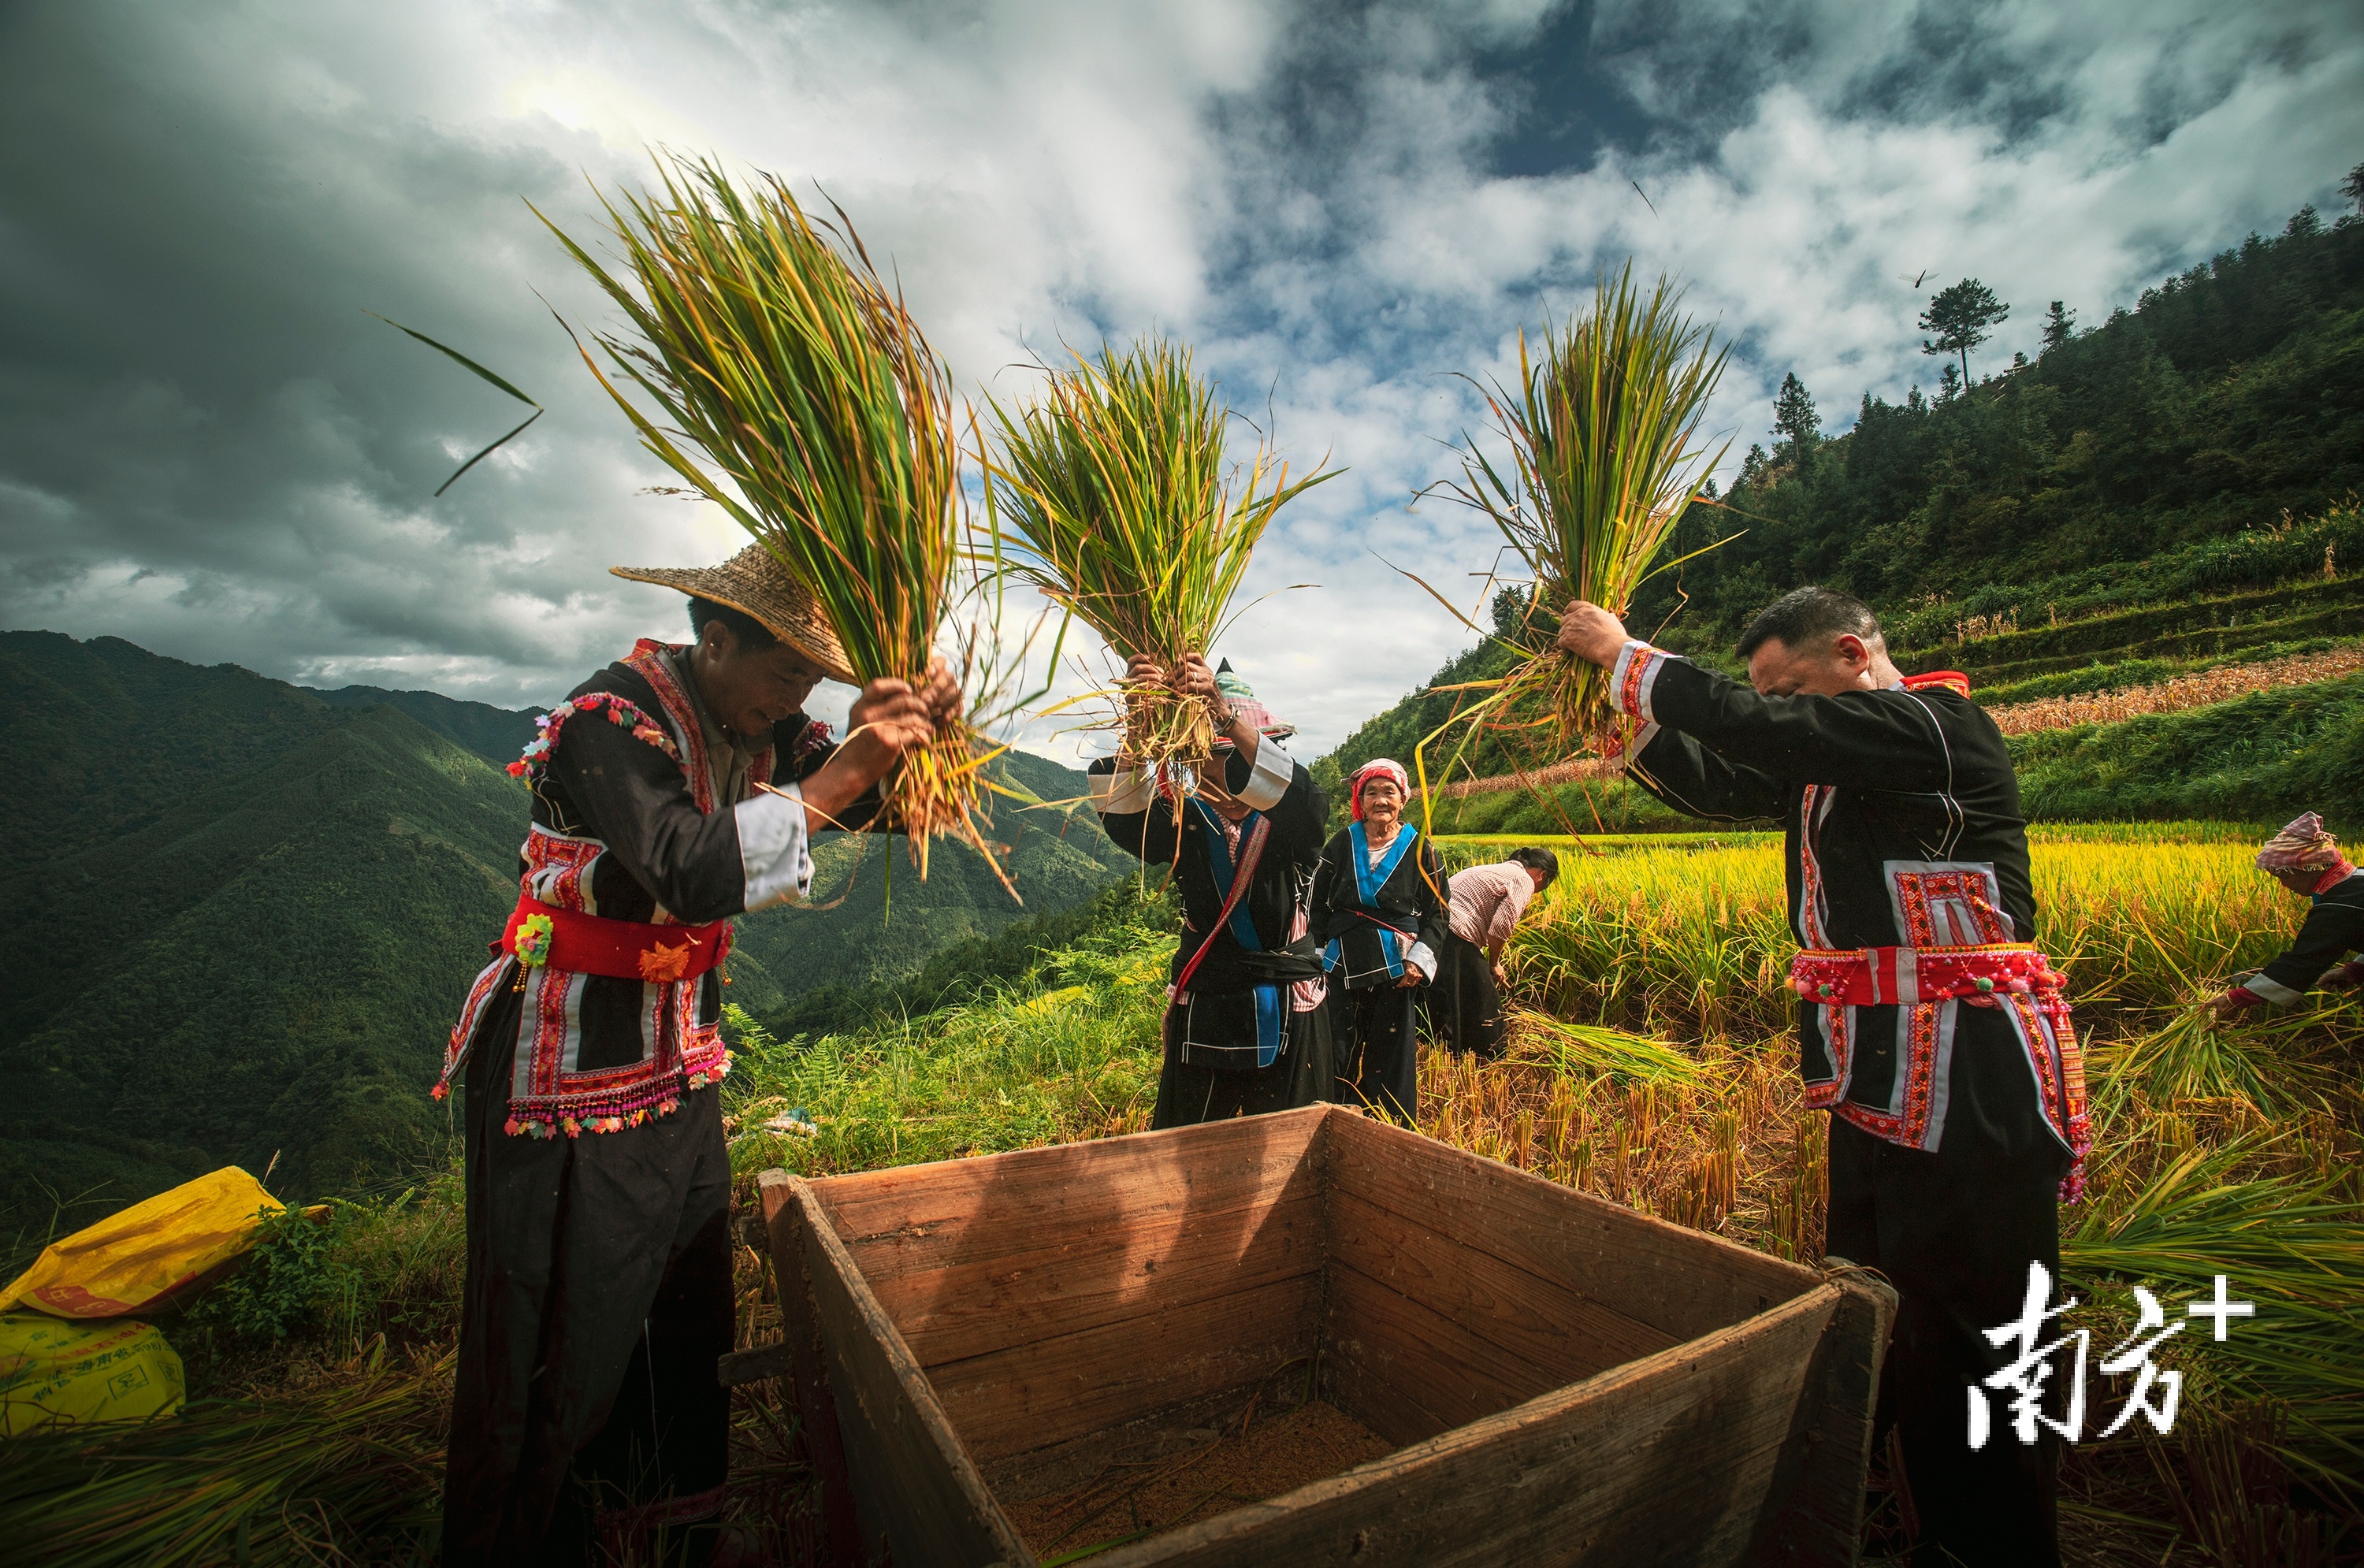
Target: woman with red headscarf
{"points": [[1381, 904]]}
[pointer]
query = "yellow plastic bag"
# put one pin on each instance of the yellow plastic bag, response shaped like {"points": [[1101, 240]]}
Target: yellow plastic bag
{"points": [[139, 1259], [52, 1372]]}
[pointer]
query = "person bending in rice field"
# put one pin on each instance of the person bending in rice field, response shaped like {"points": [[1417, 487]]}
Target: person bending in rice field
{"points": [[2306, 858], [586, 1421], [1245, 1031], [1931, 1028], [1463, 1008], [1380, 907]]}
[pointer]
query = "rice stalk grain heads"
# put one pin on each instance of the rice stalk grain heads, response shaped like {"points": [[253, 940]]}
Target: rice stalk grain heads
{"points": [[1605, 455], [805, 402], [1112, 497]]}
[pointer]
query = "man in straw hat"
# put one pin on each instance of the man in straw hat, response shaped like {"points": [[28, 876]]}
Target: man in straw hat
{"points": [[671, 791], [2306, 858], [1934, 1031], [1246, 1030]]}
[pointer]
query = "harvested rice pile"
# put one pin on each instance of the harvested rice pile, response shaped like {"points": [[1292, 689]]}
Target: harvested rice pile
{"points": [[1278, 1453], [2184, 691]]}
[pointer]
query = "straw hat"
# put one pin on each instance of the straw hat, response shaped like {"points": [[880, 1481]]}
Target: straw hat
{"points": [[754, 583]]}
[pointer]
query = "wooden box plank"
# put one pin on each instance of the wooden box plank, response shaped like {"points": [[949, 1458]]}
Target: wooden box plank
{"points": [[1034, 1396], [1680, 1282], [1665, 1461], [917, 1491], [1549, 1326], [908, 1220], [1112, 1273], [1451, 1373]]}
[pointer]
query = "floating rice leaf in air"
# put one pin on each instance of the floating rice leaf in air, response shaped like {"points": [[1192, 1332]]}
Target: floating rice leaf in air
{"points": [[487, 375]]}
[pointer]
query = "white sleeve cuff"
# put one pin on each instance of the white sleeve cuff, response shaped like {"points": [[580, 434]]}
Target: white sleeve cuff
{"points": [[1631, 678], [2271, 991], [1268, 779], [1126, 792], [1421, 958], [774, 855]]}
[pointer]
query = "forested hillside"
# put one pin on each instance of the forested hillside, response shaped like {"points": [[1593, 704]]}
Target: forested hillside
{"points": [[2163, 492], [239, 917], [2230, 397]]}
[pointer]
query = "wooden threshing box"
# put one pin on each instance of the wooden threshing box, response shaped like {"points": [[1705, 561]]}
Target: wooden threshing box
{"points": [[1561, 1379]]}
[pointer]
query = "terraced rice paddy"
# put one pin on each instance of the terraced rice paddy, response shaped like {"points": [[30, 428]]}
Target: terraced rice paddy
{"points": [[2197, 690]]}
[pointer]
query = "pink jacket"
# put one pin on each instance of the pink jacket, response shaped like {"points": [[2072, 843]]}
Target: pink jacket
{"points": [[1488, 900]]}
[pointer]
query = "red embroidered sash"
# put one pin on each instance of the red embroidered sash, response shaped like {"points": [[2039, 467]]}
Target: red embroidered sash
{"points": [[2013, 976], [622, 949], [1874, 977]]}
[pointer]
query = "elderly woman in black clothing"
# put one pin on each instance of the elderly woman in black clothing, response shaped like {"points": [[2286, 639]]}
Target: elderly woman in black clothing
{"points": [[1380, 902]]}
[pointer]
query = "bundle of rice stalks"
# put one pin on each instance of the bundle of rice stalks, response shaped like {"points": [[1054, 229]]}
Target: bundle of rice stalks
{"points": [[2195, 1056], [1592, 1051], [1603, 434], [350, 1469], [820, 418], [1112, 497], [2291, 1244]]}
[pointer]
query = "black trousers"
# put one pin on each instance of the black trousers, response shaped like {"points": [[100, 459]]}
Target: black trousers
{"points": [[597, 1300], [1189, 1092], [1954, 1231], [1463, 1008], [1378, 1056]]}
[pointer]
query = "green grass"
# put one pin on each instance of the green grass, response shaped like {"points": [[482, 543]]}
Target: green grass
{"points": [[2269, 755], [1067, 1049]]}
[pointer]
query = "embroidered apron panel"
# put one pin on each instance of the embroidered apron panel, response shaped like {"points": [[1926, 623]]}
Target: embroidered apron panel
{"points": [[1947, 904]]}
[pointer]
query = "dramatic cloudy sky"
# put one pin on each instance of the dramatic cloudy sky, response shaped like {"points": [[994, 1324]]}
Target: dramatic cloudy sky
{"points": [[206, 447]]}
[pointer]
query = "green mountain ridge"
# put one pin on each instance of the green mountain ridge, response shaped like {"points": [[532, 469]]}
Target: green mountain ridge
{"points": [[496, 734], [246, 915]]}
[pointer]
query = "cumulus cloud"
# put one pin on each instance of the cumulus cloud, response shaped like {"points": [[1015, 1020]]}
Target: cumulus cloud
{"points": [[208, 447]]}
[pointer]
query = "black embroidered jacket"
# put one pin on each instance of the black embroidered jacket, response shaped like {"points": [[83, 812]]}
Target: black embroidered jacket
{"points": [[2334, 928], [1901, 830], [1139, 815]]}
